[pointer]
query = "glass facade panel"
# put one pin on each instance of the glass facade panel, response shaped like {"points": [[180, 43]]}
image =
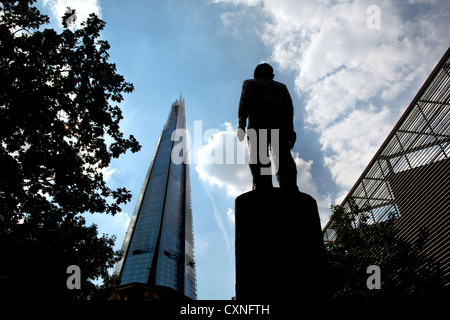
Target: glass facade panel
{"points": [[158, 247]]}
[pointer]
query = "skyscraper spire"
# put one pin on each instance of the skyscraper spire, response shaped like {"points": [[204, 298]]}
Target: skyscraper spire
{"points": [[159, 244]]}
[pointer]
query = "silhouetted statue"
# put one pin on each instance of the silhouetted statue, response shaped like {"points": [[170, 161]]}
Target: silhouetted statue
{"points": [[280, 254], [267, 105]]}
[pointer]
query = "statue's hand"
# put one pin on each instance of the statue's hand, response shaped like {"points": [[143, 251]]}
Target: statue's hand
{"points": [[241, 134]]}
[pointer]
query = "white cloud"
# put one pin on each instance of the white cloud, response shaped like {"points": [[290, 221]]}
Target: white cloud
{"points": [[307, 185], [122, 220], [108, 172], [236, 179], [230, 215], [351, 142], [356, 81], [83, 8], [233, 178], [238, 2]]}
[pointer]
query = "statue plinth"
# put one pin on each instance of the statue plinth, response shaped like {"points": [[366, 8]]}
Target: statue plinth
{"points": [[280, 254]]}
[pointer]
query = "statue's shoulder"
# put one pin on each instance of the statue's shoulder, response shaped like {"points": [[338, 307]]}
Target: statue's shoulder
{"points": [[263, 84], [278, 84], [248, 85]]}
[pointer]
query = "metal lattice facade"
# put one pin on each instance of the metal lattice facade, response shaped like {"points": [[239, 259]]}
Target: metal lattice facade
{"points": [[409, 175]]}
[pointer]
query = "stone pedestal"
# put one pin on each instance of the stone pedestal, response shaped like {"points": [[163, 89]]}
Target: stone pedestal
{"points": [[280, 254]]}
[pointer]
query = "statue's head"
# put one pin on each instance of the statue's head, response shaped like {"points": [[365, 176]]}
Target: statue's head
{"points": [[263, 71]]}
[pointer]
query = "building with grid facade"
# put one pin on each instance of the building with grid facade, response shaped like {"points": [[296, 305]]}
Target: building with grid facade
{"points": [[159, 244], [409, 175]]}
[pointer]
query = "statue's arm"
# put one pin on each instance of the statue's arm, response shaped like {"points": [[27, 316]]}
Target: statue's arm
{"points": [[290, 116], [244, 106], [289, 107]]}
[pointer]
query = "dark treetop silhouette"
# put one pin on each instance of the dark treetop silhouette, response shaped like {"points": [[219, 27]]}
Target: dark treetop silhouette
{"points": [[267, 105], [59, 130]]}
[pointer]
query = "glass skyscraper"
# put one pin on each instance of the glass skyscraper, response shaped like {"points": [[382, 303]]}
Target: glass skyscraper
{"points": [[159, 244]]}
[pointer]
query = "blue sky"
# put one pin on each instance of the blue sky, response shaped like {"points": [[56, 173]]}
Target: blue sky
{"points": [[350, 76]]}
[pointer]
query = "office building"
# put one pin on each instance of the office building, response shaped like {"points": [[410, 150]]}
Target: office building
{"points": [[408, 177], [159, 244]]}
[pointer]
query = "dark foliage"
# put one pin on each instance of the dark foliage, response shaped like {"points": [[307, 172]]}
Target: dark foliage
{"points": [[406, 272], [59, 130]]}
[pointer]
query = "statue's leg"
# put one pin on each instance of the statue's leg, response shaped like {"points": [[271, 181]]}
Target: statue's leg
{"points": [[286, 170], [259, 164]]}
